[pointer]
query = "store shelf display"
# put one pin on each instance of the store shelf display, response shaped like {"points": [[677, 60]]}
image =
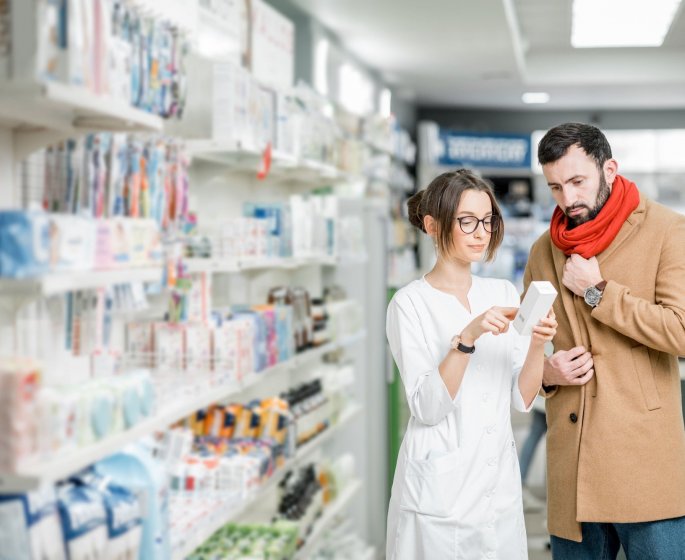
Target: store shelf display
{"points": [[50, 468], [305, 515], [90, 68], [110, 209]]}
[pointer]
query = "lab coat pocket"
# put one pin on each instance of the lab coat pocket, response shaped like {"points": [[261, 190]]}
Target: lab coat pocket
{"points": [[432, 484]]}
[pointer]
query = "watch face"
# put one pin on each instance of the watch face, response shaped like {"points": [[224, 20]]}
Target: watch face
{"points": [[592, 296]]}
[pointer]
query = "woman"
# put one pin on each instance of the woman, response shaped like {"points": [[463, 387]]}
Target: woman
{"points": [[457, 487]]}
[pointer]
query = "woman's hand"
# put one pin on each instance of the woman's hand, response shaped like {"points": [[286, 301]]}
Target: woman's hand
{"points": [[545, 330], [495, 320]]}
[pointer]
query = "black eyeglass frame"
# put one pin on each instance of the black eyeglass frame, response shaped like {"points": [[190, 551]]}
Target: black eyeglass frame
{"points": [[489, 228]]}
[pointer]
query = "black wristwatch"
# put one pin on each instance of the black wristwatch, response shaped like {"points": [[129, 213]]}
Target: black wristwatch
{"points": [[456, 344]]}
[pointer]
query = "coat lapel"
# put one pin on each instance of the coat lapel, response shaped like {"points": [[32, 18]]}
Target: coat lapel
{"points": [[626, 230], [566, 294]]}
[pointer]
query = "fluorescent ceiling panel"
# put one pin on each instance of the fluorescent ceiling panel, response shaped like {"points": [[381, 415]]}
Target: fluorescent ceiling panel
{"points": [[621, 23], [531, 97]]}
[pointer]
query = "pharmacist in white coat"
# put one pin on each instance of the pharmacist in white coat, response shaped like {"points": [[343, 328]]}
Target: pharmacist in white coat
{"points": [[457, 487]]}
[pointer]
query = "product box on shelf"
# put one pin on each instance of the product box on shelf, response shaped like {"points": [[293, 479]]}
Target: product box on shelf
{"points": [[225, 351], [20, 382], [103, 46], [31, 526], [271, 54], [198, 348], [26, 247], [231, 89]]}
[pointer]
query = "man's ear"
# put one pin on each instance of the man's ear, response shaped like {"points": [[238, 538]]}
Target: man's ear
{"points": [[610, 171]]}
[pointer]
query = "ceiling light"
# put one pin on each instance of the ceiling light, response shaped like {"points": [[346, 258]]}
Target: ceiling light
{"points": [[535, 97], [621, 23]]}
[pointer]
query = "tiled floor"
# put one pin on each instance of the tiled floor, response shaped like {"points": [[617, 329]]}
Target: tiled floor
{"points": [[538, 538]]}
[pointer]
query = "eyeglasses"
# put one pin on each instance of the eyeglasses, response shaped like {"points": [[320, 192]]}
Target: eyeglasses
{"points": [[469, 224]]}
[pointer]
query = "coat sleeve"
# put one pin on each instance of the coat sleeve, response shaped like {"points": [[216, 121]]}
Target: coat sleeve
{"points": [[520, 346], [428, 397], [659, 325]]}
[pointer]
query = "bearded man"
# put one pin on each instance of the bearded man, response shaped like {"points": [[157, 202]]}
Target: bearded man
{"points": [[615, 439]]}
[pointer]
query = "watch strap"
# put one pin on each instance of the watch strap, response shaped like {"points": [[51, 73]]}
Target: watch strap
{"points": [[457, 344], [601, 285]]}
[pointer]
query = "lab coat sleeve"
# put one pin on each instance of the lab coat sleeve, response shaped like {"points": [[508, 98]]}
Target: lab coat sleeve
{"points": [[520, 346], [428, 397]]}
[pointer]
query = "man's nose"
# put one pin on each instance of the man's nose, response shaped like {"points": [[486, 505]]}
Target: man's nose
{"points": [[568, 197]]}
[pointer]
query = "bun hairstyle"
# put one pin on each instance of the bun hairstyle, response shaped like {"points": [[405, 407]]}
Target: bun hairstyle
{"points": [[440, 199], [414, 209]]}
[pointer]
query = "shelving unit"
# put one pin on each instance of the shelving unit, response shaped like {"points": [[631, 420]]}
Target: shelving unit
{"points": [[60, 282], [198, 265], [328, 518], [34, 115], [224, 516], [41, 113], [284, 167], [66, 463]]}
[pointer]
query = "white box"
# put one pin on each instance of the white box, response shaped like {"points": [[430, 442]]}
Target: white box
{"points": [[272, 47], [535, 306]]}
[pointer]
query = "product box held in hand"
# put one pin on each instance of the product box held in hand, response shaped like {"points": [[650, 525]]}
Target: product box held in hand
{"points": [[535, 306]]}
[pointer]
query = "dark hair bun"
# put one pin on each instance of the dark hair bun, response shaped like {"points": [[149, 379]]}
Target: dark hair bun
{"points": [[416, 214]]}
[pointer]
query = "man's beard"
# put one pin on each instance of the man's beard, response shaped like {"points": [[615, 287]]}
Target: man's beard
{"points": [[602, 197]]}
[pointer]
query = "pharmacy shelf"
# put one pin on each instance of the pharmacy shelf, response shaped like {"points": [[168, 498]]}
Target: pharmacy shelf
{"points": [[61, 282], [224, 516], [67, 463], [385, 150], [237, 266], [327, 519], [300, 360], [241, 159], [35, 108], [31, 476], [304, 451]]}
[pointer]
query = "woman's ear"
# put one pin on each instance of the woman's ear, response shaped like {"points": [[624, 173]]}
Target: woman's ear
{"points": [[430, 225]]}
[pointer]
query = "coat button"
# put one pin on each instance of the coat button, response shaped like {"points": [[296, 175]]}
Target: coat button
{"points": [[573, 417]]}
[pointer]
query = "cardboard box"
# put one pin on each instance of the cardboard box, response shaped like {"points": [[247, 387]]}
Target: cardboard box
{"points": [[535, 306]]}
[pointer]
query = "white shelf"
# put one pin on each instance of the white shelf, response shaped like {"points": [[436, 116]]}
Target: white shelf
{"points": [[346, 416], [328, 518], [225, 516], [211, 265], [37, 107], [61, 282], [69, 462], [283, 166]]}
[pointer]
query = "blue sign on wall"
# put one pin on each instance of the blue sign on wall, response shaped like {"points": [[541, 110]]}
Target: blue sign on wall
{"points": [[472, 149]]}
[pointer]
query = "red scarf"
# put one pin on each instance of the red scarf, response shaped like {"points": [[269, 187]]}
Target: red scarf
{"points": [[592, 237]]}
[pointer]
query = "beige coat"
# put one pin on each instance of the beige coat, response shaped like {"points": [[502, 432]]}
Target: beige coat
{"points": [[623, 458]]}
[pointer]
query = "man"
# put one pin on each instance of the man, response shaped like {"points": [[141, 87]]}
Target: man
{"points": [[615, 443]]}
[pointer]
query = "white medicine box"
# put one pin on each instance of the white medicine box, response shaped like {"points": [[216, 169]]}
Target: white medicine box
{"points": [[535, 306]]}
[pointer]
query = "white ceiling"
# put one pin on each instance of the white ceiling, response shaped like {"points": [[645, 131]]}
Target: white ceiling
{"points": [[486, 53]]}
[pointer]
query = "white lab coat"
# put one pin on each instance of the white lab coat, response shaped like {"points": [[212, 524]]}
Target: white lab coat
{"points": [[457, 487]]}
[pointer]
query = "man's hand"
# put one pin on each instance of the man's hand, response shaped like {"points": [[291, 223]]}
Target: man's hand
{"points": [[580, 273], [568, 367]]}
